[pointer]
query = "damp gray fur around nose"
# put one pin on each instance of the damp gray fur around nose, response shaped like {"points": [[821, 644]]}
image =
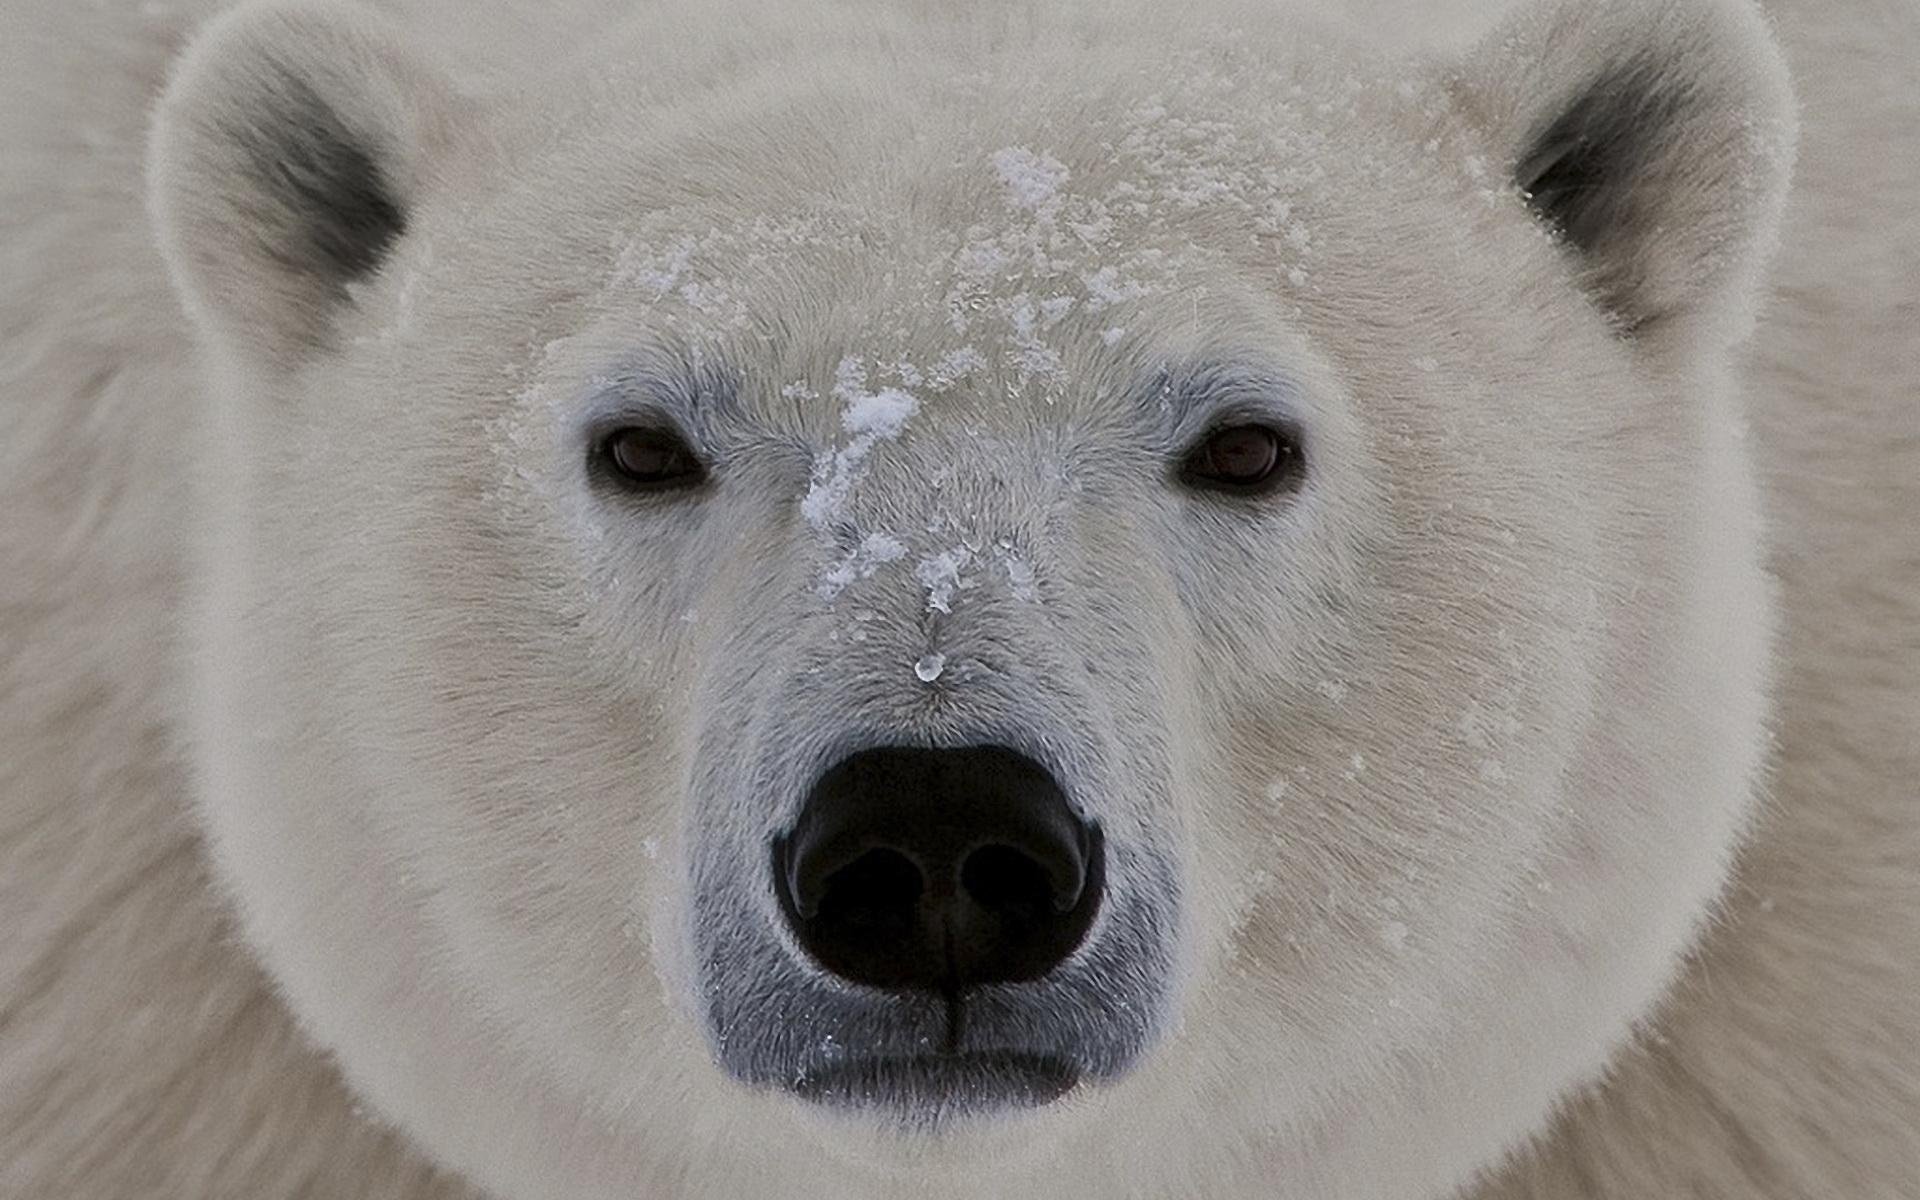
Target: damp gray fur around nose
{"points": [[1068, 967]]}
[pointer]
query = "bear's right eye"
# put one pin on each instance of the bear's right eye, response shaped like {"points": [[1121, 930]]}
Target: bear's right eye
{"points": [[648, 459]]}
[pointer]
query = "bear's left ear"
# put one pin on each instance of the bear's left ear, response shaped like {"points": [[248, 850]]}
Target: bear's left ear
{"points": [[286, 159], [1655, 137]]}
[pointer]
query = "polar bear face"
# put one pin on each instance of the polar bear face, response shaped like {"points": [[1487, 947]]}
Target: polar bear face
{"points": [[1144, 598]]}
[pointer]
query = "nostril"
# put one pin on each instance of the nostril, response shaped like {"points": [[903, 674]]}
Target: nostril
{"points": [[1010, 883], [875, 894]]}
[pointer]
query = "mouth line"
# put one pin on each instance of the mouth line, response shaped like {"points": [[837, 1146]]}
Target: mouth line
{"points": [[926, 1087]]}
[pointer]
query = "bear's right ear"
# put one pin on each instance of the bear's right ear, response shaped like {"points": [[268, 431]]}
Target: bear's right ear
{"points": [[285, 161]]}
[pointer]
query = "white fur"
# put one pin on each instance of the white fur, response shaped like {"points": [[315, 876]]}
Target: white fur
{"points": [[307, 618]]}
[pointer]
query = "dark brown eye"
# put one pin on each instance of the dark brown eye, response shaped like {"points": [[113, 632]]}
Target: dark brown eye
{"points": [[1244, 458], [651, 459]]}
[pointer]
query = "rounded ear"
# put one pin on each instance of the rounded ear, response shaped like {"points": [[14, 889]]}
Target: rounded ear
{"points": [[285, 160], [1655, 138]]}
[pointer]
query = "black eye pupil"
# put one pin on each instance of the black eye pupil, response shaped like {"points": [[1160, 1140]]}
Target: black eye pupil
{"points": [[1243, 457], [652, 457]]}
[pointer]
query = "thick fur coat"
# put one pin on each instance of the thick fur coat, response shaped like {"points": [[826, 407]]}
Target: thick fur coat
{"points": [[1529, 803]]}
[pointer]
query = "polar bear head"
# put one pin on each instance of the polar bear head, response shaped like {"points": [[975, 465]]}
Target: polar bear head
{"points": [[824, 598]]}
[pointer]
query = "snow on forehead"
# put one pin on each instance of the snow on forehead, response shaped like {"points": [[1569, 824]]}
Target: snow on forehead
{"points": [[1033, 179], [1003, 263], [1009, 240]]}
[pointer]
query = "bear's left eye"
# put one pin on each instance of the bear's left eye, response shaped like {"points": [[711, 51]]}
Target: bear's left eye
{"points": [[1244, 459], [649, 459]]}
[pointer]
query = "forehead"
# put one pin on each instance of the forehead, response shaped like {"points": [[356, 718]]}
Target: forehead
{"points": [[1110, 135], [967, 213]]}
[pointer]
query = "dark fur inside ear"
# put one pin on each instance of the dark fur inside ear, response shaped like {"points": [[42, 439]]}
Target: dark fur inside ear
{"points": [[1593, 173], [1579, 172], [328, 209], [290, 156]]}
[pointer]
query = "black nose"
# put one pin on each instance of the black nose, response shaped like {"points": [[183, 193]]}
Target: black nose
{"points": [[938, 869]]}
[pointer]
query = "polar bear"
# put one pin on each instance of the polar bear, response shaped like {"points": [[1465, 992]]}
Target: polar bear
{"points": [[856, 598]]}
